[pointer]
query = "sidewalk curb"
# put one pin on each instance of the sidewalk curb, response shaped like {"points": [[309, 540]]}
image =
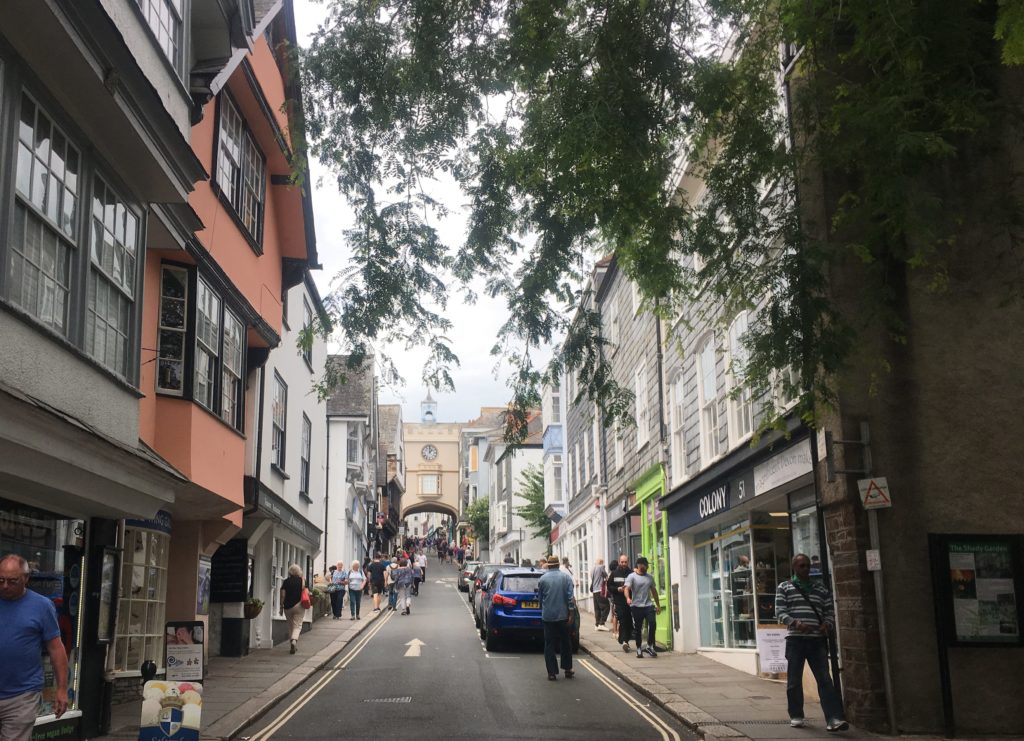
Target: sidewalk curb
{"points": [[705, 725], [251, 710]]}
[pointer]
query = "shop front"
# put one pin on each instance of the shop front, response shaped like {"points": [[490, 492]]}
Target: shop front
{"points": [[735, 538], [654, 544]]}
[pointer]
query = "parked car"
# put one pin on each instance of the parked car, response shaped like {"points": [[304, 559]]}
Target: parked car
{"points": [[466, 575], [513, 609], [478, 588]]}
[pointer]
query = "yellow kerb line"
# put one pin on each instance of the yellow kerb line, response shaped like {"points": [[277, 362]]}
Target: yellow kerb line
{"points": [[309, 694], [666, 731]]}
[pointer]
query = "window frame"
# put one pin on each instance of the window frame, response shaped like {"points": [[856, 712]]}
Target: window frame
{"points": [[305, 457], [17, 83], [189, 345], [177, 66], [677, 421], [278, 451], [255, 240], [307, 324], [710, 439], [642, 404], [741, 403], [436, 478]]}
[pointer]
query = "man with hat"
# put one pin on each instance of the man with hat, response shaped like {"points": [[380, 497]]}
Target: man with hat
{"points": [[640, 591], [556, 613]]}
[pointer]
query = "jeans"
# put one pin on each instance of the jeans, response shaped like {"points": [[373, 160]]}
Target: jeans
{"points": [[354, 599], [402, 596], [625, 618], [639, 615], [392, 596], [556, 636], [815, 652], [600, 608], [337, 602]]}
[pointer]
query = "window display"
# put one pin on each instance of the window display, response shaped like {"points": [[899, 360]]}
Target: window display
{"points": [[142, 598], [54, 547]]}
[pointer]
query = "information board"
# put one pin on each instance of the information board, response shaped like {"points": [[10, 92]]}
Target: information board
{"points": [[184, 651]]}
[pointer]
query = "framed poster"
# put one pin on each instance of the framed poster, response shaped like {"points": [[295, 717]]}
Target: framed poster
{"points": [[203, 586], [108, 594], [183, 650], [979, 581]]}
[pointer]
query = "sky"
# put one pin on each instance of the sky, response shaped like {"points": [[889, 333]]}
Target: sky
{"points": [[474, 327]]}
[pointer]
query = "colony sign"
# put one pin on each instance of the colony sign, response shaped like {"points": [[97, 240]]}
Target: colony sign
{"points": [[714, 502]]}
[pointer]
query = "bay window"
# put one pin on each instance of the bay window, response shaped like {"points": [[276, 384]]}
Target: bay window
{"points": [[241, 172]]}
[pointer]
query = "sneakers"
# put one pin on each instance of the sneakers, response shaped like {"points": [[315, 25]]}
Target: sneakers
{"points": [[649, 650], [796, 722], [639, 653], [625, 648], [603, 628], [569, 674], [837, 724]]}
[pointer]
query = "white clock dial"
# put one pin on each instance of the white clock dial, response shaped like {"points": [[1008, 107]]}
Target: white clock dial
{"points": [[429, 452]]}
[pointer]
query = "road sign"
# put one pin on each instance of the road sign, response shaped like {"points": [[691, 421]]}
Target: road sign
{"points": [[874, 493], [414, 647], [874, 559]]}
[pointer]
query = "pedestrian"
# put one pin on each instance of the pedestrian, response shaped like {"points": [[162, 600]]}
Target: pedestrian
{"points": [[291, 603], [336, 589], [642, 598], [421, 561], [805, 608], [568, 569], [375, 573], [30, 627], [417, 575], [508, 559], [356, 584], [556, 613], [389, 581], [623, 616], [404, 579], [599, 591]]}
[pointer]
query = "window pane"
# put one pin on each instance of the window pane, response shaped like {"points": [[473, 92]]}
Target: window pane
{"points": [[39, 266]]}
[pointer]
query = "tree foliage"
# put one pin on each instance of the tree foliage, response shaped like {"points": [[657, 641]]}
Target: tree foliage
{"points": [[478, 515], [531, 489], [567, 124]]}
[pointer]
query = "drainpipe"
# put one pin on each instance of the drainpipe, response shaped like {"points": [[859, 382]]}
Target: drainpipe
{"points": [[327, 491]]}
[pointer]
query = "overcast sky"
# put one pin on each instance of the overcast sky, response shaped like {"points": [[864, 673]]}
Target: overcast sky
{"points": [[475, 327]]}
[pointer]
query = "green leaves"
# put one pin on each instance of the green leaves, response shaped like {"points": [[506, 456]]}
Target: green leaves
{"points": [[531, 488], [478, 515]]}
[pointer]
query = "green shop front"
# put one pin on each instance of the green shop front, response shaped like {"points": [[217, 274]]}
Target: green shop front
{"points": [[650, 488]]}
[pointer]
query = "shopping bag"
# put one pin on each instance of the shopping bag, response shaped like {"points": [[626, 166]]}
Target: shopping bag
{"points": [[306, 601]]}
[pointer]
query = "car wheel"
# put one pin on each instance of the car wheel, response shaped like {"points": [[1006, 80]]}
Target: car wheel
{"points": [[482, 630], [491, 642]]}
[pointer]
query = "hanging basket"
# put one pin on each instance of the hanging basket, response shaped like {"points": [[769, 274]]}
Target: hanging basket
{"points": [[252, 610]]}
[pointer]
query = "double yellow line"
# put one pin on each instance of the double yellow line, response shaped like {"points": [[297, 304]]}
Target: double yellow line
{"points": [[667, 732], [313, 691]]}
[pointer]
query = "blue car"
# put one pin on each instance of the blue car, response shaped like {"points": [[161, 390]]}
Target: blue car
{"points": [[513, 608]]}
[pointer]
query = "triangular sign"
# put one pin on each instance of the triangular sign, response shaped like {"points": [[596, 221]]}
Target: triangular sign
{"points": [[874, 493]]}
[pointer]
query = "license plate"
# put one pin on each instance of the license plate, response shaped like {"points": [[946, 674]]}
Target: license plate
{"points": [[530, 605]]}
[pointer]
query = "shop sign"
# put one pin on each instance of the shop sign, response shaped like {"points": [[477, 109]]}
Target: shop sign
{"points": [[161, 523], [771, 649], [715, 501], [64, 728], [171, 711], [782, 468], [698, 507], [183, 655]]}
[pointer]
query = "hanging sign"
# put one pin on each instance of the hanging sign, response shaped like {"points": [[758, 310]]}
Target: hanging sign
{"points": [[874, 493]]}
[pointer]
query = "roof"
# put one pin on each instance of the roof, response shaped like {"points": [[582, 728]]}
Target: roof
{"points": [[388, 418], [489, 417], [352, 395]]}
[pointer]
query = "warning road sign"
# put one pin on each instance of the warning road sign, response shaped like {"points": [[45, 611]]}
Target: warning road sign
{"points": [[874, 493]]}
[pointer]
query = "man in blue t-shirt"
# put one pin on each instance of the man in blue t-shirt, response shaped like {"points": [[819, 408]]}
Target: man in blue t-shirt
{"points": [[30, 625]]}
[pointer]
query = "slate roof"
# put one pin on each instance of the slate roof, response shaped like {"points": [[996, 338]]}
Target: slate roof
{"points": [[388, 416], [354, 397]]}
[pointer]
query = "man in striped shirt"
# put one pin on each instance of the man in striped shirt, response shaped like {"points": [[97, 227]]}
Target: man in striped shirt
{"points": [[805, 608]]}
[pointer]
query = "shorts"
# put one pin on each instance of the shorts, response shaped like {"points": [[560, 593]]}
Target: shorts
{"points": [[377, 588]]}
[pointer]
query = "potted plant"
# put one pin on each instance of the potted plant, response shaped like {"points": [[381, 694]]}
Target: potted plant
{"points": [[253, 607]]}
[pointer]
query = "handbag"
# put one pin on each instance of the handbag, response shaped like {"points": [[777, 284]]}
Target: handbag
{"points": [[305, 601]]}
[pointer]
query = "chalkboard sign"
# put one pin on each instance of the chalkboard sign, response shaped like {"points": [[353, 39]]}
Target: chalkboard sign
{"points": [[229, 580]]}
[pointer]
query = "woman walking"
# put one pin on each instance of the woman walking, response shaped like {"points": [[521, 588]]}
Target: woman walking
{"points": [[404, 579], [356, 584], [336, 589], [291, 602]]}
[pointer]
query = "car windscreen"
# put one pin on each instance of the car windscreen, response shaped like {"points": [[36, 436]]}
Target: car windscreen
{"points": [[520, 583]]}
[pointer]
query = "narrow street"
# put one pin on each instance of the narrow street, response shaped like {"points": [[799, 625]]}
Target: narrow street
{"points": [[386, 685]]}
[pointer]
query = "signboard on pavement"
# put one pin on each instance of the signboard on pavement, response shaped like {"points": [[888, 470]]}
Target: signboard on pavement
{"points": [[171, 711], [184, 651]]}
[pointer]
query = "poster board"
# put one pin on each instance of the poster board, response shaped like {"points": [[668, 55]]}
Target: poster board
{"points": [[171, 711], [183, 650], [771, 649], [979, 584]]}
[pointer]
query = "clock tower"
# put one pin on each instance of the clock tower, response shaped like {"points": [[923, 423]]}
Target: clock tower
{"points": [[428, 410]]}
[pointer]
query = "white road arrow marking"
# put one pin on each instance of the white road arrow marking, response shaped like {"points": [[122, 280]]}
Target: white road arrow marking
{"points": [[414, 647]]}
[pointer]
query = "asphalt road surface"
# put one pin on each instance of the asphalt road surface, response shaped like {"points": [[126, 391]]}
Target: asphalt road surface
{"points": [[427, 676]]}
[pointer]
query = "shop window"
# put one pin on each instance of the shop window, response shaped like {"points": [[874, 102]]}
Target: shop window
{"points": [[707, 384], [738, 570], [285, 554], [54, 547], [141, 607]]}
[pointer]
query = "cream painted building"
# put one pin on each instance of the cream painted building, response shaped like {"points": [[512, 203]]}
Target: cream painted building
{"points": [[432, 465]]}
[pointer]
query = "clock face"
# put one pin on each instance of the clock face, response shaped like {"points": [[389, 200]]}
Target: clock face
{"points": [[429, 452]]}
